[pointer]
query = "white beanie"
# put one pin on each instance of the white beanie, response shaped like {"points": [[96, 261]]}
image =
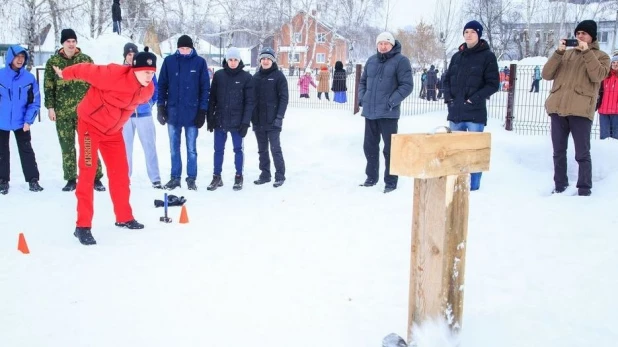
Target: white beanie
{"points": [[614, 58], [308, 70], [386, 36], [232, 53]]}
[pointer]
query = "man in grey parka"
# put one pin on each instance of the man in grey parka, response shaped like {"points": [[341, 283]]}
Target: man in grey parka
{"points": [[385, 83]]}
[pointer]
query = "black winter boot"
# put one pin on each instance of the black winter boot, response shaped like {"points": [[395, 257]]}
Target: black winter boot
{"points": [[172, 184], [85, 236], [34, 185], [4, 187], [191, 184], [98, 186], [132, 224], [238, 180], [70, 186], [261, 180], [216, 182]]}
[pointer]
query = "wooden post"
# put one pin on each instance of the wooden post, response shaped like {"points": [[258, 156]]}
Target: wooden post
{"points": [[440, 164], [359, 70]]}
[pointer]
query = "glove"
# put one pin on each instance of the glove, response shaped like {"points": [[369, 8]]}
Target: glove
{"points": [[172, 200], [211, 122], [242, 130], [200, 119], [161, 114], [278, 123]]}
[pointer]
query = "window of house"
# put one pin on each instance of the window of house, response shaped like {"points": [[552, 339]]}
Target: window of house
{"points": [[321, 38], [293, 57], [298, 37], [320, 58], [602, 37]]}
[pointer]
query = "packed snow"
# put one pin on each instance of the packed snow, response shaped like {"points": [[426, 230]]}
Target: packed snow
{"points": [[319, 261]]}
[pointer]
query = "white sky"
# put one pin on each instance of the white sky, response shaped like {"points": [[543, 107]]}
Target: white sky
{"points": [[410, 12]]}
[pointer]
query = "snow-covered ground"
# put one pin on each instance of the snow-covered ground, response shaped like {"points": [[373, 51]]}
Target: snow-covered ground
{"points": [[317, 262]]}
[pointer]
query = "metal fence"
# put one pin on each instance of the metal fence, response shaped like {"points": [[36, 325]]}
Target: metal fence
{"points": [[526, 106]]}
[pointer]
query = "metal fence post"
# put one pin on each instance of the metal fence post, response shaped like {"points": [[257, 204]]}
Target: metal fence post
{"points": [[38, 81], [508, 125], [356, 84]]}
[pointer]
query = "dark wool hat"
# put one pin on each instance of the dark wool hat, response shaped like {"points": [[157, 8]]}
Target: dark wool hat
{"points": [[185, 41], [268, 53], [145, 61], [589, 26], [129, 48], [66, 34], [476, 26]]}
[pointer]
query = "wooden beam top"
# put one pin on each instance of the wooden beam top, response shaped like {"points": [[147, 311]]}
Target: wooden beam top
{"points": [[437, 155]]}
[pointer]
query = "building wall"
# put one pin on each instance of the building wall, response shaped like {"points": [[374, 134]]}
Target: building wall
{"points": [[308, 49]]}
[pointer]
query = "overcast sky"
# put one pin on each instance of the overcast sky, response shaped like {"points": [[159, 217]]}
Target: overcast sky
{"points": [[409, 12]]}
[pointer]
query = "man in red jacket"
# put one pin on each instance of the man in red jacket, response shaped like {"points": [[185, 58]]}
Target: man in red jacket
{"points": [[115, 92]]}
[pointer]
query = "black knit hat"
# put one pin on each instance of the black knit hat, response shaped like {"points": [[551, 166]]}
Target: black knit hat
{"points": [[185, 41], [66, 34], [589, 26], [130, 47], [145, 61], [476, 26]]}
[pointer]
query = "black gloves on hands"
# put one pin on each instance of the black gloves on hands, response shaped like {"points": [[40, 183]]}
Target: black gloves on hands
{"points": [[242, 130], [162, 114], [278, 123], [200, 119], [172, 200], [210, 123]]}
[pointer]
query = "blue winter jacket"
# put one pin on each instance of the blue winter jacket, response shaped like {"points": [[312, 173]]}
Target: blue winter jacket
{"points": [[386, 81], [20, 100], [184, 87]]}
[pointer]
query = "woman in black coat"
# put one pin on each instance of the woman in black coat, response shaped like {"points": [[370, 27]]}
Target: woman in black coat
{"points": [[339, 83]]}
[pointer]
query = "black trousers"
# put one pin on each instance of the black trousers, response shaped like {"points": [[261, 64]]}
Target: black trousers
{"points": [[265, 139], [374, 129], [320, 95], [580, 127], [26, 154], [535, 86]]}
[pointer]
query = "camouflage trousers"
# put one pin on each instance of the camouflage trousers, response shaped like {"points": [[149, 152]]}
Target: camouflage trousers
{"points": [[67, 128]]}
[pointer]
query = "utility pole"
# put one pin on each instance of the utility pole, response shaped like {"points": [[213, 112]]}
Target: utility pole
{"points": [[443, 41]]}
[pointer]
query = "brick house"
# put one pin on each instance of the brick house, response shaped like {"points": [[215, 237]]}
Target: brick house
{"points": [[309, 42]]}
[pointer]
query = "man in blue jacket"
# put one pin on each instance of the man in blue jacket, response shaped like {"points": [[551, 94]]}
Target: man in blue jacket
{"points": [[386, 81], [472, 77], [229, 111], [184, 87], [20, 102], [141, 121]]}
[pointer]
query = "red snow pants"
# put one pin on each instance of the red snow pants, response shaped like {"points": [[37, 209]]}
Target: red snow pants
{"points": [[112, 149]]}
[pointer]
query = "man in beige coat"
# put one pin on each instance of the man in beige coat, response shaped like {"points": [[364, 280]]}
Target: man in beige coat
{"points": [[577, 74]]}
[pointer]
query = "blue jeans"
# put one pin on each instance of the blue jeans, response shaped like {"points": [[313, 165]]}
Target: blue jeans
{"points": [[174, 133], [475, 177], [609, 125], [239, 157]]}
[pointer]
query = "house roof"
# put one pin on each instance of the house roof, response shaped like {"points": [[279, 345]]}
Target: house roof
{"points": [[322, 23]]}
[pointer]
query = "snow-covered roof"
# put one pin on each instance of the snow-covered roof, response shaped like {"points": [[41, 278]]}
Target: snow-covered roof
{"points": [[201, 46]]}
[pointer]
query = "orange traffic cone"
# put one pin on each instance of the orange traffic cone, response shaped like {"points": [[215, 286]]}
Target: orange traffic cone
{"points": [[22, 246], [184, 218]]}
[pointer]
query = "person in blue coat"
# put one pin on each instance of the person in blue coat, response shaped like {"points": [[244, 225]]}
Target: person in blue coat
{"points": [[20, 103], [472, 77], [230, 109], [184, 87], [142, 122], [386, 81]]}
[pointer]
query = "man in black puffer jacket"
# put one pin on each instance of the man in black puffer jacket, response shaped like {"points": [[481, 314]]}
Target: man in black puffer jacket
{"points": [[230, 109], [385, 83], [271, 100], [472, 76]]}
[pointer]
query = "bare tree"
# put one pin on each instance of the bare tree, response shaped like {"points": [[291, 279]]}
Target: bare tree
{"points": [[34, 12], [495, 16], [423, 45], [447, 19]]}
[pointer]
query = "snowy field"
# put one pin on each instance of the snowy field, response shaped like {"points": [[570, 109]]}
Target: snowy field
{"points": [[317, 262]]}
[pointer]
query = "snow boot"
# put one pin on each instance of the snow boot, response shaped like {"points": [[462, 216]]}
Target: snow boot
{"points": [[34, 185], [4, 187], [191, 184], [132, 224], [368, 183], [238, 182], [98, 186], [388, 189], [261, 180], [172, 184], [70, 186], [278, 183], [216, 182], [85, 236], [157, 185]]}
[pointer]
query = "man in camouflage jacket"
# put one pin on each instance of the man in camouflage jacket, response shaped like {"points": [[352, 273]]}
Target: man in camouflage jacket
{"points": [[61, 99]]}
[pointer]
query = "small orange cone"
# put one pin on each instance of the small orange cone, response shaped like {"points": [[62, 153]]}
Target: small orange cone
{"points": [[22, 246], [184, 218]]}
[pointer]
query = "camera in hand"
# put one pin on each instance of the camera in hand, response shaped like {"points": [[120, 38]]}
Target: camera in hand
{"points": [[571, 43]]}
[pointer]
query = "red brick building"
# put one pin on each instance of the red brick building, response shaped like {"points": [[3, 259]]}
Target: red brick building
{"points": [[309, 42]]}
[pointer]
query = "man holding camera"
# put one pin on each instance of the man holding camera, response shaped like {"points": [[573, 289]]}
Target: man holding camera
{"points": [[577, 74]]}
